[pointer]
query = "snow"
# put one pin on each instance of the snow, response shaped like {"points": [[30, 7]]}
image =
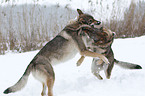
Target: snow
{"points": [[79, 81], [70, 79]]}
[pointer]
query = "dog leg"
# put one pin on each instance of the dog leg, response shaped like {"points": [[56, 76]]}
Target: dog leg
{"points": [[99, 62], [43, 93], [43, 71], [79, 62], [108, 70], [50, 83], [98, 75], [94, 54], [95, 68]]}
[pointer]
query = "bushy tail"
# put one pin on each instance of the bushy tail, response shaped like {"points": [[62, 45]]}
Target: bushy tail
{"points": [[21, 83], [127, 65]]}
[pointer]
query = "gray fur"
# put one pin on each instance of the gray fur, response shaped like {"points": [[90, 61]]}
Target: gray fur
{"points": [[108, 52], [127, 65], [60, 49]]}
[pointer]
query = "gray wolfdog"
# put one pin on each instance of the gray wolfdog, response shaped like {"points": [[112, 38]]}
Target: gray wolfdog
{"points": [[62, 48], [100, 41]]}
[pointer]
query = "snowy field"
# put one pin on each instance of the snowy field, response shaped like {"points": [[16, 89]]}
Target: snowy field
{"points": [[78, 81]]}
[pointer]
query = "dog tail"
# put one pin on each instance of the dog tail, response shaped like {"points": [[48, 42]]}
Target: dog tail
{"points": [[21, 83], [127, 65]]}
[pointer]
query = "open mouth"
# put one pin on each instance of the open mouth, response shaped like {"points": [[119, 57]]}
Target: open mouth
{"points": [[92, 25]]}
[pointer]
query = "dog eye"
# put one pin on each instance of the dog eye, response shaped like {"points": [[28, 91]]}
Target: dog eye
{"points": [[90, 20], [82, 20]]}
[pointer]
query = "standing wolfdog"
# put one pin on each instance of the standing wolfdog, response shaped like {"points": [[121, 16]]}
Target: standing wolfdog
{"points": [[63, 47], [100, 41]]}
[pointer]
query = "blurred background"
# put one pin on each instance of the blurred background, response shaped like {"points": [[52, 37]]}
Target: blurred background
{"points": [[27, 25]]}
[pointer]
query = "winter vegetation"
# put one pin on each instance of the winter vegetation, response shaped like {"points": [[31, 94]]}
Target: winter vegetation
{"points": [[133, 22], [27, 25]]}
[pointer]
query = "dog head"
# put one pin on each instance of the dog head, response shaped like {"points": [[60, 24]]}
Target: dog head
{"points": [[95, 25], [93, 30], [97, 32], [88, 20]]}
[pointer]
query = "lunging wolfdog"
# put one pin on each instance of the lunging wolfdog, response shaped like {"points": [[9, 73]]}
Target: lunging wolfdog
{"points": [[63, 47], [100, 41]]}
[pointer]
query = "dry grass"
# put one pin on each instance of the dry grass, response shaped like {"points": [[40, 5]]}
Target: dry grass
{"points": [[31, 26], [28, 27], [133, 24]]}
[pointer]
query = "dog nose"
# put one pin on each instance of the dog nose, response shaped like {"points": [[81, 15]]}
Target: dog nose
{"points": [[98, 22]]}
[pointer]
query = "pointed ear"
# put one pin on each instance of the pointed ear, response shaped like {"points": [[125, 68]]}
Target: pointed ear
{"points": [[80, 12]]}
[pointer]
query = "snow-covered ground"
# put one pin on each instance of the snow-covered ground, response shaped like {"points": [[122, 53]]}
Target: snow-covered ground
{"points": [[78, 81]]}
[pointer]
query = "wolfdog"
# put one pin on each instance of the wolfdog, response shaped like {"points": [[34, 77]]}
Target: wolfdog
{"points": [[60, 49], [100, 41]]}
